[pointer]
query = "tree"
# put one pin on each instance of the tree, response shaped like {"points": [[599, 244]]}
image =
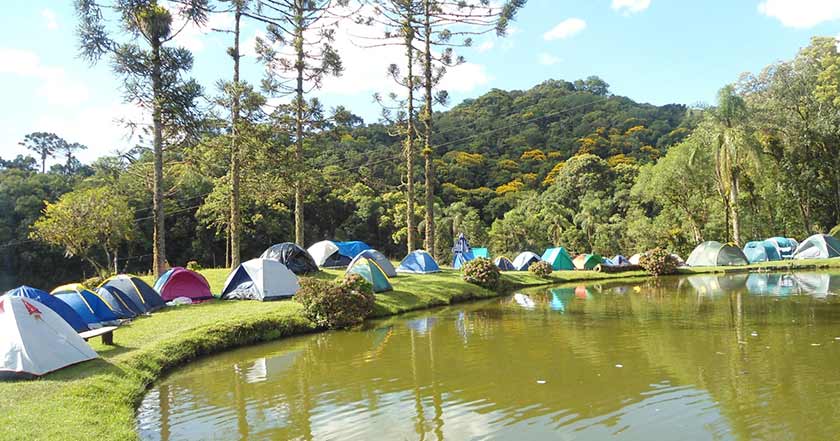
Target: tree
{"points": [[67, 150], [307, 27], [43, 144], [85, 220], [153, 77]]}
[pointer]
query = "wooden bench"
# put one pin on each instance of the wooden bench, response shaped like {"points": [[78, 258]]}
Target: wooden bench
{"points": [[107, 333]]}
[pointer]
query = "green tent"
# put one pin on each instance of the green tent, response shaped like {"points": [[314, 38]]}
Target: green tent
{"points": [[716, 254], [587, 261], [559, 259], [481, 252], [371, 271]]}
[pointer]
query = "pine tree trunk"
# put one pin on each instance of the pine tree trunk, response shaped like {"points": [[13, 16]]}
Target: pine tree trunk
{"points": [[159, 240], [299, 126], [235, 213], [427, 121], [409, 143]]}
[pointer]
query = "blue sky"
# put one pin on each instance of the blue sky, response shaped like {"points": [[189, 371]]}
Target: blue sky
{"points": [[657, 51]]}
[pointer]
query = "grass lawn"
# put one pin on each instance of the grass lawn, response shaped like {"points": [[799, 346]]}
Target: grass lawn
{"points": [[96, 400]]}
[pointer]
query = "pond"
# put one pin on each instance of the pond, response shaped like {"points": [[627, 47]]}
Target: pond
{"points": [[703, 358]]}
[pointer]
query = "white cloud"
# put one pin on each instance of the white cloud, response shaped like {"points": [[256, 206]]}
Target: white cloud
{"points": [[801, 13], [565, 29], [50, 18], [547, 59], [465, 78], [485, 46], [630, 6], [54, 85], [194, 37]]}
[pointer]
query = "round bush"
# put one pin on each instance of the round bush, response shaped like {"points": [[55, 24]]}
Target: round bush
{"points": [[335, 305], [482, 272], [541, 269], [658, 261]]}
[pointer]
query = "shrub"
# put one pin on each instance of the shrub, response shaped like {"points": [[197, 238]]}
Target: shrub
{"points": [[193, 265], [338, 304], [93, 282], [541, 269], [482, 272], [658, 261]]}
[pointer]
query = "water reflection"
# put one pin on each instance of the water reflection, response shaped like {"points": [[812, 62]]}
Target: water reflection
{"points": [[712, 357]]}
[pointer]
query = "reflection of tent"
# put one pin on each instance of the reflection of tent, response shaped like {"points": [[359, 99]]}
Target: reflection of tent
{"points": [[294, 257], [54, 303], [558, 258], [36, 340], [461, 252], [785, 245], [260, 279], [419, 262], [772, 284], [504, 264], [761, 251], [384, 264], [481, 252], [818, 246], [143, 295], [329, 254], [716, 254], [712, 285], [634, 259], [370, 270], [524, 301], [181, 282], [524, 260], [120, 303], [90, 307], [587, 261]]}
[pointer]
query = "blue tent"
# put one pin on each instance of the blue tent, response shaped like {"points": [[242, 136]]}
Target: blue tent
{"points": [[120, 302], [461, 252], [90, 307], [618, 260], [418, 262], [504, 264], [384, 264], [57, 305], [761, 251], [351, 248], [481, 252], [785, 245], [524, 260]]}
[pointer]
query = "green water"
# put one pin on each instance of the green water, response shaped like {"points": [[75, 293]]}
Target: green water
{"points": [[701, 358]]}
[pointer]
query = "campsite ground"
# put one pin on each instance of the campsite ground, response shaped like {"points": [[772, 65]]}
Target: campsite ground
{"points": [[97, 399]]}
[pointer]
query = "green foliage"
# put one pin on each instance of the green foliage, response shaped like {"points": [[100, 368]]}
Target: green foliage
{"points": [[94, 282], [658, 261], [193, 265], [541, 269], [482, 272], [338, 304], [835, 231]]}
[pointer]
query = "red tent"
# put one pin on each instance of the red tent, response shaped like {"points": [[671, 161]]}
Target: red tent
{"points": [[181, 282]]}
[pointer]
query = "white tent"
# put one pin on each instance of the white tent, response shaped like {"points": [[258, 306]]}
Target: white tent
{"points": [[524, 260], [321, 251], [260, 279], [634, 259], [36, 340]]}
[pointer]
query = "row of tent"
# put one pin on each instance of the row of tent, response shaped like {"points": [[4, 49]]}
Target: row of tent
{"points": [[818, 246], [559, 259]]}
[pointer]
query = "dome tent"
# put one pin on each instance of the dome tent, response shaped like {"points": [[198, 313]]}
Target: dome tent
{"points": [[619, 260], [504, 264], [370, 271], [716, 254], [294, 257], [143, 295], [384, 264], [818, 246], [418, 262], [181, 282], [54, 303], [329, 254], [36, 340], [785, 245], [558, 258], [120, 303], [635, 259], [260, 279], [524, 260], [90, 307], [587, 261], [761, 251]]}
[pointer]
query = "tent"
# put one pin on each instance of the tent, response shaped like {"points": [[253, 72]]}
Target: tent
{"points": [[818, 246], [181, 282], [716, 254], [461, 252], [90, 307], [481, 252], [54, 303], [419, 262], [634, 259], [370, 270], [36, 340], [329, 254], [294, 257], [619, 260], [761, 251], [524, 260], [504, 264], [785, 245], [587, 261], [143, 295], [558, 258], [384, 264], [120, 302], [260, 279]]}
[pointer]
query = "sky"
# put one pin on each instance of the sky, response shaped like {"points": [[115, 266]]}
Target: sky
{"points": [[654, 51]]}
